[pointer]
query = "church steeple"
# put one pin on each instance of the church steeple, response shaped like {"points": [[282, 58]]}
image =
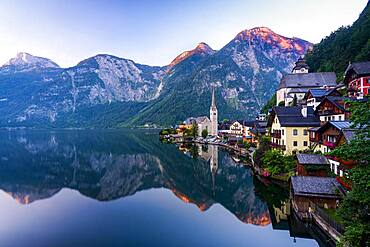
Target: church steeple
{"points": [[213, 115], [213, 105]]}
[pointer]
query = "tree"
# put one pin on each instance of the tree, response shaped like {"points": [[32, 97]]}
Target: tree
{"points": [[204, 133], [355, 208], [273, 160], [271, 103], [194, 129]]}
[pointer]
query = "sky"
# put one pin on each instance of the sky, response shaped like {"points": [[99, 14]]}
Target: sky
{"points": [[154, 32]]}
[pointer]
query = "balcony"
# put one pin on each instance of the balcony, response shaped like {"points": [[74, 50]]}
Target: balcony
{"points": [[327, 112], [276, 135], [274, 145]]}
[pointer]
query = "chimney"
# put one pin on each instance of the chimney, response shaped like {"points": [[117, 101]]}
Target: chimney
{"points": [[304, 110]]}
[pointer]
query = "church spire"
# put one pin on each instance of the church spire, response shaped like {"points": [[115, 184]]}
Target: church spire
{"points": [[213, 98]]}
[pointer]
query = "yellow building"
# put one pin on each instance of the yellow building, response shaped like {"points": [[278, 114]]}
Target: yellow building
{"points": [[288, 128]]}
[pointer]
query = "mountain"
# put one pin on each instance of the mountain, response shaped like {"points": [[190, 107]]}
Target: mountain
{"points": [[246, 72], [202, 49], [34, 92], [108, 91], [351, 43], [25, 61]]}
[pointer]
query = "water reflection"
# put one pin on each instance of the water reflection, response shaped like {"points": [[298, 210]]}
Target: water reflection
{"points": [[108, 165]]}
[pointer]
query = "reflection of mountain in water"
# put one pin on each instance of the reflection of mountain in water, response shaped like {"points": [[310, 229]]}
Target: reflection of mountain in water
{"points": [[107, 165]]}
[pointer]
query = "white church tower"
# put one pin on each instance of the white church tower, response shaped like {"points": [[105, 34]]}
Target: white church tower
{"points": [[213, 115]]}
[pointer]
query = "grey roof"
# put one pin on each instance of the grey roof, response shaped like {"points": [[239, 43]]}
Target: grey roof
{"points": [[312, 159], [292, 116], [341, 124], [327, 187], [349, 134], [298, 90], [321, 92], [201, 119], [361, 68], [308, 80]]}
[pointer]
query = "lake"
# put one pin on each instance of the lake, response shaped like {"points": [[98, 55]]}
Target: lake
{"points": [[125, 188]]}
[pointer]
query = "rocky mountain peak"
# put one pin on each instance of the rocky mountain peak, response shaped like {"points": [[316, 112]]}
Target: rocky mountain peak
{"points": [[24, 59], [267, 36], [201, 49]]}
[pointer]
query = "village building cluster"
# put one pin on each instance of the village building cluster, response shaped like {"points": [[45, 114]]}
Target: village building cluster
{"points": [[311, 118]]}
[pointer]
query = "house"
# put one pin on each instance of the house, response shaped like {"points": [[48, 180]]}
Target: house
{"points": [[324, 192], [312, 165], [236, 128], [357, 79], [297, 84], [314, 96], [258, 131], [224, 127], [247, 127], [333, 108], [329, 136], [289, 127]]}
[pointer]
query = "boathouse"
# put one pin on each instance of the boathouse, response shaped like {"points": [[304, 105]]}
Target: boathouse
{"points": [[324, 192], [312, 165]]}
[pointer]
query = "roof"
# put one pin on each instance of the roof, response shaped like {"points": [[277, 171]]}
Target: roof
{"points": [[201, 119], [349, 134], [312, 159], [321, 92], [361, 68], [298, 90], [310, 80], [341, 124], [326, 187], [292, 116]]}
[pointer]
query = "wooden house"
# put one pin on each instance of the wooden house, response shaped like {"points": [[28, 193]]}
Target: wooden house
{"points": [[312, 165], [357, 79], [325, 192]]}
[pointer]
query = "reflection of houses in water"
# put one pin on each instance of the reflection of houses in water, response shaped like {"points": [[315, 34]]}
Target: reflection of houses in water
{"points": [[281, 214]]}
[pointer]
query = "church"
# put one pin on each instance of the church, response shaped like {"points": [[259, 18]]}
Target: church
{"points": [[210, 124], [300, 81]]}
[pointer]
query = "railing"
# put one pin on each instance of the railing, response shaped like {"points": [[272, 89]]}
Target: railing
{"points": [[327, 112], [276, 135], [327, 218], [274, 145]]}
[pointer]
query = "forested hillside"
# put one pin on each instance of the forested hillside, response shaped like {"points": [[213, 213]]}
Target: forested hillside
{"points": [[351, 43]]}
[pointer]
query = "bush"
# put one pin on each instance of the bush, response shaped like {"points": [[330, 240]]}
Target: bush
{"points": [[277, 163]]}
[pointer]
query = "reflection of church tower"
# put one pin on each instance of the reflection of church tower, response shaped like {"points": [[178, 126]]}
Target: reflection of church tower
{"points": [[213, 149], [213, 115]]}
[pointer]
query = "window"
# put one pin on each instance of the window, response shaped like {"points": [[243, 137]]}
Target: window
{"points": [[282, 132], [282, 142], [295, 143], [340, 118], [305, 132], [305, 143], [295, 132]]}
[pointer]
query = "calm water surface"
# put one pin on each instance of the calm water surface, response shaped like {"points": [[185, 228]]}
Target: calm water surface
{"points": [[125, 188]]}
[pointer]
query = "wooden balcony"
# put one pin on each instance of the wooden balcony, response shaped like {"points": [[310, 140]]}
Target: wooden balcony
{"points": [[276, 135], [278, 146]]}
